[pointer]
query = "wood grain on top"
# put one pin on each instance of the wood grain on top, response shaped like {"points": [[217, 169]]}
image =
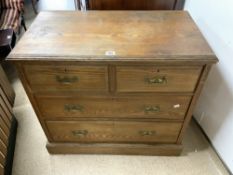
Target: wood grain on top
{"points": [[113, 35]]}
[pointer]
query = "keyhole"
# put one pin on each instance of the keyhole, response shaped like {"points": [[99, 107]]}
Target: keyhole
{"points": [[65, 70]]}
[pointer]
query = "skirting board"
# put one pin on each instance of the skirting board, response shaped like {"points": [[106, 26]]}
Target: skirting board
{"points": [[124, 149], [208, 139]]}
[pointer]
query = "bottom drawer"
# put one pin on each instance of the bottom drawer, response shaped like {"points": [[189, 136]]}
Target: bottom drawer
{"points": [[114, 131]]}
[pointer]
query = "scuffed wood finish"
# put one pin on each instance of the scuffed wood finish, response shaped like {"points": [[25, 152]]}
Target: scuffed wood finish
{"points": [[129, 149], [145, 79], [73, 78], [102, 79], [113, 131], [31, 98], [161, 107], [113, 36]]}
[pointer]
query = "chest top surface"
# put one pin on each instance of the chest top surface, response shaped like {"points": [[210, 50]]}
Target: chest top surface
{"points": [[113, 35]]}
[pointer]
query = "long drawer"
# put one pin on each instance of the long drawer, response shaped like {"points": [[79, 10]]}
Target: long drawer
{"points": [[113, 131], [163, 106], [156, 79], [67, 78]]}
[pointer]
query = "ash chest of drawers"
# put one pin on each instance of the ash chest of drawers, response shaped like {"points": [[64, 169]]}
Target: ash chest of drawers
{"points": [[113, 82]]}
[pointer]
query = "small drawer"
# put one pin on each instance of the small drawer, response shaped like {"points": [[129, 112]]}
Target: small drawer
{"points": [[157, 79], [163, 107], [113, 131], [62, 78]]}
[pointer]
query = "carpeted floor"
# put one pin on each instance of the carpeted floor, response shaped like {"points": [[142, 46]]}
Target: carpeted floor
{"points": [[32, 158]]}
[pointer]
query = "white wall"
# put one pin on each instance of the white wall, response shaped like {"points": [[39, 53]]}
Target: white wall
{"points": [[214, 110], [56, 5]]}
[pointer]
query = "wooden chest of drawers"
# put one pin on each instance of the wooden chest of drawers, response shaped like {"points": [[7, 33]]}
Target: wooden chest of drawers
{"points": [[113, 82]]}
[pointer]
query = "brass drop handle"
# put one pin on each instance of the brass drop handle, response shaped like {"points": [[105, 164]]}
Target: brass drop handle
{"points": [[66, 79], [146, 133], [152, 109], [156, 80], [80, 133], [73, 108]]}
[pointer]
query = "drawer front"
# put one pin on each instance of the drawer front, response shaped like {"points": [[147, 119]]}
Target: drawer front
{"points": [[113, 131], [170, 107], [77, 78], [160, 79]]}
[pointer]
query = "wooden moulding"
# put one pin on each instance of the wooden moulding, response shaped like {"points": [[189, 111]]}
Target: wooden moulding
{"points": [[115, 149]]}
